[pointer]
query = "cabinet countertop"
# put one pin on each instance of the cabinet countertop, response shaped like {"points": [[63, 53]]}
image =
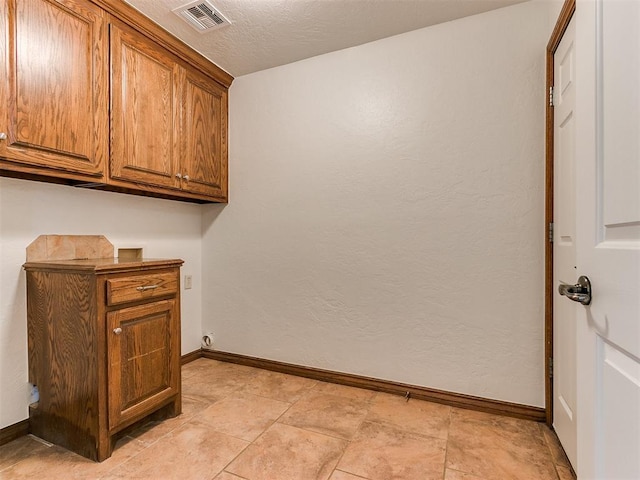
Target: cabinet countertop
{"points": [[103, 265]]}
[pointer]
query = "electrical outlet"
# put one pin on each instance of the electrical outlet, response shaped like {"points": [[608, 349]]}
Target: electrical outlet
{"points": [[207, 341], [188, 282]]}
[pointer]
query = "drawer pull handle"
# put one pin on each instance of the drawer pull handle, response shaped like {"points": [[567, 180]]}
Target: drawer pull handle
{"points": [[117, 331], [147, 287]]}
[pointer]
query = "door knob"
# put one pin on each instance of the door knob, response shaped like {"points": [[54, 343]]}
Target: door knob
{"points": [[580, 292]]}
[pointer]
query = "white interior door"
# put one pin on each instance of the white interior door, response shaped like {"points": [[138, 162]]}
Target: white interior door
{"points": [[608, 229], [564, 243]]}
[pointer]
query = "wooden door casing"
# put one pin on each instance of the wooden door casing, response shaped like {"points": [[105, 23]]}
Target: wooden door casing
{"points": [[141, 345], [54, 86]]}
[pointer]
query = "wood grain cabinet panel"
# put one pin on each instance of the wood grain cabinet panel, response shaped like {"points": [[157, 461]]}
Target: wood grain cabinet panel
{"points": [[54, 87], [140, 287], [204, 141], [140, 343], [100, 367], [144, 111], [168, 121]]}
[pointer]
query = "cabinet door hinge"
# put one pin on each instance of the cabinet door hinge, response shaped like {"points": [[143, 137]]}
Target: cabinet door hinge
{"points": [[550, 367], [551, 104], [551, 232]]}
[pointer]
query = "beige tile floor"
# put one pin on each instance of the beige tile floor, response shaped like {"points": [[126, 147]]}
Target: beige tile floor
{"points": [[246, 423]]}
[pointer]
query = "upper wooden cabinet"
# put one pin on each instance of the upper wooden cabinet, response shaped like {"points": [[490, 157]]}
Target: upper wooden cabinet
{"points": [[53, 87], [145, 124], [168, 121], [162, 132], [204, 138]]}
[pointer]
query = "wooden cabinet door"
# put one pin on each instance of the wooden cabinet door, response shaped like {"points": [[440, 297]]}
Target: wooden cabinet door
{"points": [[143, 348], [204, 136], [144, 110], [53, 85]]}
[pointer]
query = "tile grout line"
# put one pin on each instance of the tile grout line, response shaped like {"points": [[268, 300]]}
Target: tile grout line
{"points": [[548, 444], [190, 419], [446, 446], [291, 404], [348, 473], [370, 402], [144, 446], [342, 397], [44, 443]]}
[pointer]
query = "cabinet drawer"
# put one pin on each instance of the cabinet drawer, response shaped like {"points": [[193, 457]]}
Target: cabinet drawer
{"points": [[141, 287]]}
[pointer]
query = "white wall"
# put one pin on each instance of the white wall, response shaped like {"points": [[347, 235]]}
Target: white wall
{"points": [[554, 8], [386, 214], [165, 229]]}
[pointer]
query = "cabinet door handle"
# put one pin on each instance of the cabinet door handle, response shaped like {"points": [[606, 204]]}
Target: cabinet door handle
{"points": [[117, 331], [3, 136], [147, 287], [186, 177], [178, 175]]}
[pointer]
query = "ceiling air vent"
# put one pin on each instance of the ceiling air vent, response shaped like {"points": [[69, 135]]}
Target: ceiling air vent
{"points": [[202, 16]]}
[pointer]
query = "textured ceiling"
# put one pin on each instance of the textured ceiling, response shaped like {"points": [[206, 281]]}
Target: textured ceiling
{"points": [[269, 33]]}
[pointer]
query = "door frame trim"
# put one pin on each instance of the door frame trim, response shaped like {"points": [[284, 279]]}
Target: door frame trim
{"points": [[565, 16]]}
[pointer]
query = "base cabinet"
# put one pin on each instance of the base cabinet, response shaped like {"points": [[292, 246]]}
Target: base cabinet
{"points": [[104, 348]]}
